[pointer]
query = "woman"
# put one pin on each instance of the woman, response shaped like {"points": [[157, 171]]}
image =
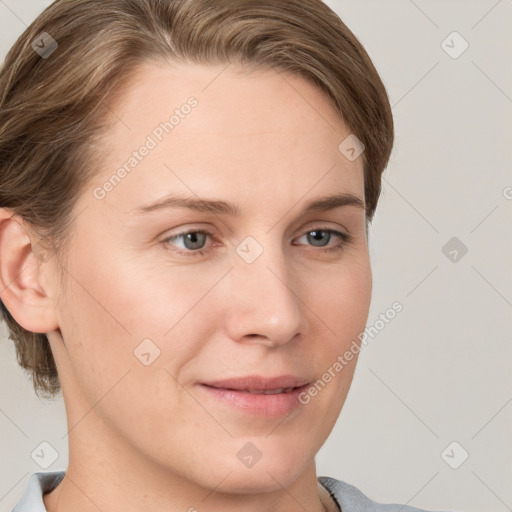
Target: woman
{"points": [[186, 191]]}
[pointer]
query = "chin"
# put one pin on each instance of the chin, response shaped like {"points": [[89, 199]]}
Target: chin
{"points": [[261, 480], [274, 466]]}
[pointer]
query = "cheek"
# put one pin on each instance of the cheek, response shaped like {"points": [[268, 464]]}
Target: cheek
{"points": [[341, 307], [342, 299], [95, 335], [119, 315], [119, 352]]}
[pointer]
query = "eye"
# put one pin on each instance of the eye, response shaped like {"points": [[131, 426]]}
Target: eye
{"points": [[193, 241], [320, 237]]}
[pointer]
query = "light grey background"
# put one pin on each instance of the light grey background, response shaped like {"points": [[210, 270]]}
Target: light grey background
{"points": [[439, 372]]}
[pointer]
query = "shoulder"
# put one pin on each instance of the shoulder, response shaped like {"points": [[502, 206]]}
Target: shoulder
{"points": [[38, 484], [351, 499]]}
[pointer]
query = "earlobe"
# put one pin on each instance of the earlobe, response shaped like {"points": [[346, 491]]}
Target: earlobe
{"points": [[22, 261]]}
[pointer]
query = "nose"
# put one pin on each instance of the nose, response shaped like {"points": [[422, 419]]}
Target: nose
{"points": [[264, 305]]}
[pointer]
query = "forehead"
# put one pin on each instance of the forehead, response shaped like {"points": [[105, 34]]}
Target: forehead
{"points": [[208, 127]]}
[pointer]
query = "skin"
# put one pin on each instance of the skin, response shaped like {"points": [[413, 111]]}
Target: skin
{"points": [[147, 437]]}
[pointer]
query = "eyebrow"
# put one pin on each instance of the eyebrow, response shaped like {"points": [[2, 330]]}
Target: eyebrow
{"points": [[218, 207]]}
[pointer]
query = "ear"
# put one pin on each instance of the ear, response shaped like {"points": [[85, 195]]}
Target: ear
{"points": [[23, 261]]}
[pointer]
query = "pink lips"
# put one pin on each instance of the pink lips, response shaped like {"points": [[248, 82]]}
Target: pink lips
{"points": [[261, 396]]}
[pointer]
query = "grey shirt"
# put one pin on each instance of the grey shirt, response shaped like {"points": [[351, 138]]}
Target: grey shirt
{"points": [[348, 497]]}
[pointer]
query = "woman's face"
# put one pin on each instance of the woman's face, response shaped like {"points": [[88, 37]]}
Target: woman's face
{"points": [[160, 301]]}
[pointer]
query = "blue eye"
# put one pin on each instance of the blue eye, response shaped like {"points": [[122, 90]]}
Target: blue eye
{"points": [[318, 236], [194, 240]]}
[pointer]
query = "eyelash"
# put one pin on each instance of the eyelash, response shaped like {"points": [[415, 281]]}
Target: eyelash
{"points": [[346, 239]]}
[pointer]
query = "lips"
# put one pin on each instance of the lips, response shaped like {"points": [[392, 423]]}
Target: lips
{"points": [[260, 385], [268, 397], [267, 391]]}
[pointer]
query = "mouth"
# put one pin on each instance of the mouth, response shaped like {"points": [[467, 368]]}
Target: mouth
{"points": [[262, 391], [258, 383], [260, 396]]}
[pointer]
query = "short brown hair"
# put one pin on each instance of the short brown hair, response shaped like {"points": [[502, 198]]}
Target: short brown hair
{"points": [[52, 109]]}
